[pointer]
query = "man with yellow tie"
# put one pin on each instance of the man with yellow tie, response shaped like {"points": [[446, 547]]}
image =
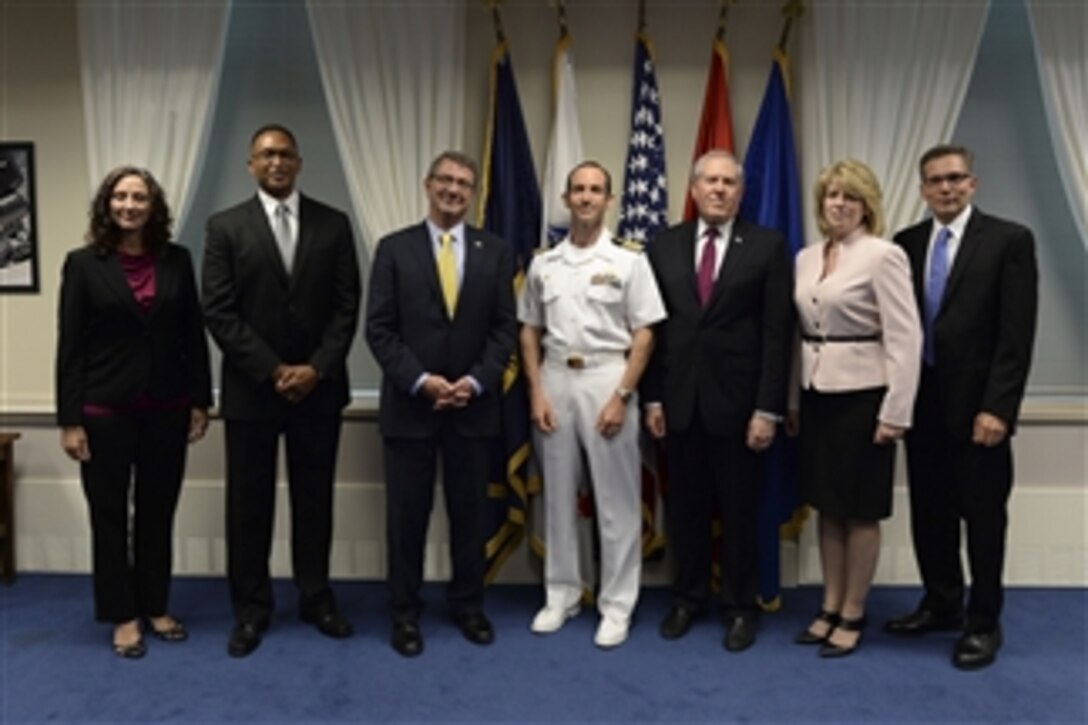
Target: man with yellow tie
{"points": [[441, 324]]}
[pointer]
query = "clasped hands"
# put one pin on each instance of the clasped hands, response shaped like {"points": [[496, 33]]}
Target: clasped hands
{"points": [[446, 394], [295, 382]]}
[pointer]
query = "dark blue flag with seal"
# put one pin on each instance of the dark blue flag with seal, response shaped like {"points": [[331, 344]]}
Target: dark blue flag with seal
{"points": [[509, 206], [772, 198]]}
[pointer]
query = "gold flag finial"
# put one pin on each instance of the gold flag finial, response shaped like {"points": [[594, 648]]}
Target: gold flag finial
{"points": [[723, 13], [791, 10]]}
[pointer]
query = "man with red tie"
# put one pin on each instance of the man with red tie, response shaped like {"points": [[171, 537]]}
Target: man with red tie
{"points": [[715, 389]]}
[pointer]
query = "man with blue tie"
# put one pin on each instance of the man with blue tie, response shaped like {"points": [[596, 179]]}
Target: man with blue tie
{"points": [[976, 282], [440, 322]]}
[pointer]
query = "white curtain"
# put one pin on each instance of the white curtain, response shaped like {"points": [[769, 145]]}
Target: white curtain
{"points": [[881, 82], [395, 85], [1060, 28], [150, 75]]}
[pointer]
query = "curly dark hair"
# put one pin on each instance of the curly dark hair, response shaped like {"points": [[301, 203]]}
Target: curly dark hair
{"points": [[103, 234]]}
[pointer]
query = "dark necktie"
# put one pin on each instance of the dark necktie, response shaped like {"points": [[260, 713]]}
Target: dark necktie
{"points": [[708, 264], [935, 284]]}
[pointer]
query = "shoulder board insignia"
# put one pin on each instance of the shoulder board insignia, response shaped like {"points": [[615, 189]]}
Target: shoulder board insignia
{"points": [[631, 245]]}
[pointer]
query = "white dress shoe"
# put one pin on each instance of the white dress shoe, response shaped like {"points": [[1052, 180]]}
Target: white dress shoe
{"points": [[550, 619], [612, 632]]}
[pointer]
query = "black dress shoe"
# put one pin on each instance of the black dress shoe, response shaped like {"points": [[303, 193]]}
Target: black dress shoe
{"points": [[805, 636], [678, 622], [741, 634], [407, 639], [976, 650], [244, 638], [476, 628], [923, 621], [330, 623], [846, 625]]}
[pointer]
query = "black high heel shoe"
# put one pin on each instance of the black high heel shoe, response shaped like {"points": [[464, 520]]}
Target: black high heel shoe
{"points": [[847, 625], [133, 651], [806, 636], [176, 632]]}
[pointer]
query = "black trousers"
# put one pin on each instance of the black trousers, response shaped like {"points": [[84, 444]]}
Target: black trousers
{"points": [[252, 446], [142, 454], [410, 467], [709, 474], [954, 480]]}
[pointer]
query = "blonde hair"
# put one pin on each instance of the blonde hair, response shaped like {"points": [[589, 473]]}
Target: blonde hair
{"points": [[855, 179]]}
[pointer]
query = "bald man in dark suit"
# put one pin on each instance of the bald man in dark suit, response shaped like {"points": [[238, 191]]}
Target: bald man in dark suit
{"points": [[281, 298]]}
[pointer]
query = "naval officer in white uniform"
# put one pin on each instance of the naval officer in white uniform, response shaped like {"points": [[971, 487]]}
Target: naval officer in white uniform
{"points": [[587, 310]]}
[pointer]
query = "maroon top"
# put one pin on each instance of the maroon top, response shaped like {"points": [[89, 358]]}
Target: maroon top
{"points": [[139, 272]]}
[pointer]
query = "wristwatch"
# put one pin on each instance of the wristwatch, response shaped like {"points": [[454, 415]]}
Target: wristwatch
{"points": [[624, 394]]}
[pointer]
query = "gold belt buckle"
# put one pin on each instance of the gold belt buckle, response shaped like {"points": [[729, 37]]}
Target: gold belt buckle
{"points": [[576, 362]]}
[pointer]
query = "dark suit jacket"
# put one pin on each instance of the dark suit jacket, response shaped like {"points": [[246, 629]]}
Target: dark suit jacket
{"points": [[109, 352], [985, 328], [261, 317], [410, 333], [733, 357]]}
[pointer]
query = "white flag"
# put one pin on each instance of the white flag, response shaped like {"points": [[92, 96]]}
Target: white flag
{"points": [[564, 148]]}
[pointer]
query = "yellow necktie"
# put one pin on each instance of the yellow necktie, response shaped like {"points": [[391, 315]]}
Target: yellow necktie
{"points": [[447, 273]]}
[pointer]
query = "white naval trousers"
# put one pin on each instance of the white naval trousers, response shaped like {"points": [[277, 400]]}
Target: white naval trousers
{"points": [[577, 396]]}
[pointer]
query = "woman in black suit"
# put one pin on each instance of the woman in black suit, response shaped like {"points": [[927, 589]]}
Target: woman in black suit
{"points": [[133, 387]]}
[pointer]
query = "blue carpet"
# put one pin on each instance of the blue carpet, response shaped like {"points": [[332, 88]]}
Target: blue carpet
{"points": [[56, 666]]}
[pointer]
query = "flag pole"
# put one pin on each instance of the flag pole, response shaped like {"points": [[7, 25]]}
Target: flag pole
{"points": [[496, 19], [791, 9], [561, 13], [723, 14]]}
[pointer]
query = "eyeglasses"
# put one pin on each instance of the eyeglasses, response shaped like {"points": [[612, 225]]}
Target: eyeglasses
{"points": [[953, 179], [447, 180]]}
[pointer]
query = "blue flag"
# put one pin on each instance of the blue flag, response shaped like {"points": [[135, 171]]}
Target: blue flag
{"points": [[509, 206], [645, 203], [772, 198]]}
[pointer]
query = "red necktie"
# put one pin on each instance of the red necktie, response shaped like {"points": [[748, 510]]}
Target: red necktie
{"points": [[708, 264]]}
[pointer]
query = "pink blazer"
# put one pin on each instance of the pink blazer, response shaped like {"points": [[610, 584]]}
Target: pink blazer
{"points": [[859, 326]]}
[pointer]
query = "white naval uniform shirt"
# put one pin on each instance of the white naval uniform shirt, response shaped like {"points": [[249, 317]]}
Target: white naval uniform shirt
{"points": [[588, 300]]}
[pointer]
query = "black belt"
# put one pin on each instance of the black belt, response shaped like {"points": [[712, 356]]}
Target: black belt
{"points": [[875, 337]]}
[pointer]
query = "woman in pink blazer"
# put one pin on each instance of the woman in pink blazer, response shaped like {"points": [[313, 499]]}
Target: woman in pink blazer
{"points": [[860, 349]]}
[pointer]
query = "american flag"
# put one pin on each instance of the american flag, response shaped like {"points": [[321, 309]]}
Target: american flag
{"points": [[643, 213], [644, 210]]}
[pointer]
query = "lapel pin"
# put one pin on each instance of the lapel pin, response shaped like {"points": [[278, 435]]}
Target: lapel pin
{"points": [[477, 243]]}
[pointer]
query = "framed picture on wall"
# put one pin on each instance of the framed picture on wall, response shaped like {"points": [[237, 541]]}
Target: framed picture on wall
{"points": [[18, 218]]}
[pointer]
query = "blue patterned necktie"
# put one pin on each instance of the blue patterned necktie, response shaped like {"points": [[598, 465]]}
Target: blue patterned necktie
{"points": [[935, 284]]}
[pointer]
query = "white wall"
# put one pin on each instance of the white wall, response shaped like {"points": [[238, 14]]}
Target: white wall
{"points": [[1048, 543]]}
